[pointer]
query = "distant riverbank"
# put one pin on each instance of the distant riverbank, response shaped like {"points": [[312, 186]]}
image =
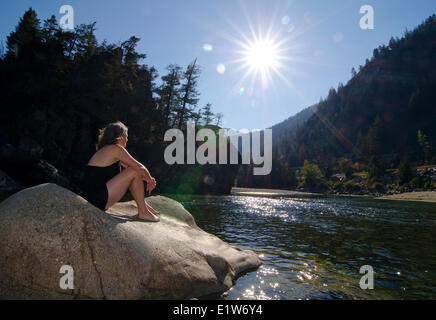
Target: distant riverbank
{"points": [[274, 192], [425, 196]]}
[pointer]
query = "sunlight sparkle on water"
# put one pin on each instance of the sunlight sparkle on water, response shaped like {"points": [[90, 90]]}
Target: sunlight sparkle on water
{"points": [[271, 207], [268, 271], [317, 251]]}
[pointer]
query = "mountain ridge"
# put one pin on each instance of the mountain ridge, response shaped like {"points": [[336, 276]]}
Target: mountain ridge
{"points": [[386, 88]]}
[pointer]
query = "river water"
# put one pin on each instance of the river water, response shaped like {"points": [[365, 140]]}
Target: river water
{"points": [[314, 247]]}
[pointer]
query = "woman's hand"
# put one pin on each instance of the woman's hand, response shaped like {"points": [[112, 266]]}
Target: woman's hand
{"points": [[151, 184], [146, 176]]}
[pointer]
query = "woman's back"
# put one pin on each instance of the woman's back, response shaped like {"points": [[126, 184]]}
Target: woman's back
{"points": [[104, 157], [95, 175], [102, 167]]}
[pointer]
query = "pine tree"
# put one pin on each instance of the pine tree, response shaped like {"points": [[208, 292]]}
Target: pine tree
{"points": [[27, 36], [219, 117], [87, 42], [189, 93], [50, 29], [196, 116], [373, 139], [2, 50], [130, 56], [169, 92], [208, 115], [425, 146], [405, 173], [376, 169], [328, 172]]}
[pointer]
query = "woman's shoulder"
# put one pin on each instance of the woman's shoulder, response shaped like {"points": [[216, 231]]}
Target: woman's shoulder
{"points": [[111, 148], [114, 151], [105, 155]]}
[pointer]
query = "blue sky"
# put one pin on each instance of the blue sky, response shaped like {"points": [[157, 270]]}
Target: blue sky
{"points": [[320, 41]]}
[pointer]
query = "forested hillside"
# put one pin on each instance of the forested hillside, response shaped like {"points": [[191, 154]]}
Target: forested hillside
{"points": [[383, 115], [288, 127]]}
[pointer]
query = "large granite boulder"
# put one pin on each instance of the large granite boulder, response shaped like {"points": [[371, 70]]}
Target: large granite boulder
{"points": [[112, 255]]}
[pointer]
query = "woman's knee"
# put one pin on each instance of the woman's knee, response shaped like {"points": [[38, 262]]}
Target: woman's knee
{"points": [[133, 172]]}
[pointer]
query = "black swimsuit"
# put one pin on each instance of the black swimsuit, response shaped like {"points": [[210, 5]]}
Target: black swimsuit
{"points": [[94, 183]]}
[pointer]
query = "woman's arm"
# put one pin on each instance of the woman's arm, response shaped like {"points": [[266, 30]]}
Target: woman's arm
{"points": [[124, 165], [128, 161]]}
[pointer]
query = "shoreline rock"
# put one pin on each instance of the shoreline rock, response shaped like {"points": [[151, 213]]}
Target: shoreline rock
{"points": [[113, 255]]}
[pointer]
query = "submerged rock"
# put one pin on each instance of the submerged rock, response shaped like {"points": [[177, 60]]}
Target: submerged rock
{"points": [[113, 256]]}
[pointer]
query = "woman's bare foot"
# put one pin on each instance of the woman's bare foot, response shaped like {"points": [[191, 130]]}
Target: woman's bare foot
{"points": [[150, 208], [147, 216]]}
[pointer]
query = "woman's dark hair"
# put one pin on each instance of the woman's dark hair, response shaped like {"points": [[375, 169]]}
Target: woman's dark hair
{"points": [[111, 134]]}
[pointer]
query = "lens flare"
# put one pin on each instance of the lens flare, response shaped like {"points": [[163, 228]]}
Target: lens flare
{"points": [[286, 20], [207, 47], [221, 68], [338, 37]]}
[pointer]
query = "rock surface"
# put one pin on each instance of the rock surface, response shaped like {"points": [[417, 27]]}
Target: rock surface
{"points": [[113, 255]]}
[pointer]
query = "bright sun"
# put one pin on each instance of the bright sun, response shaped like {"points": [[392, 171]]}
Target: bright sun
{"points": [[262, 56]]}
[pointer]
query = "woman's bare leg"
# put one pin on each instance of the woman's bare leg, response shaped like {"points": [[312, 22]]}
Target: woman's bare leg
{"points": [[118, 186], [137, 191], [129, 179], [149, 207]]}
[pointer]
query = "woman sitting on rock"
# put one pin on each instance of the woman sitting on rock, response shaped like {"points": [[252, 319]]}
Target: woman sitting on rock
{"points": [[105, 183]]}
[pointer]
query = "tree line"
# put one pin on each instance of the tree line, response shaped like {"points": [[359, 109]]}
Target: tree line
{"points": [[178, 98], [58, 87]]}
